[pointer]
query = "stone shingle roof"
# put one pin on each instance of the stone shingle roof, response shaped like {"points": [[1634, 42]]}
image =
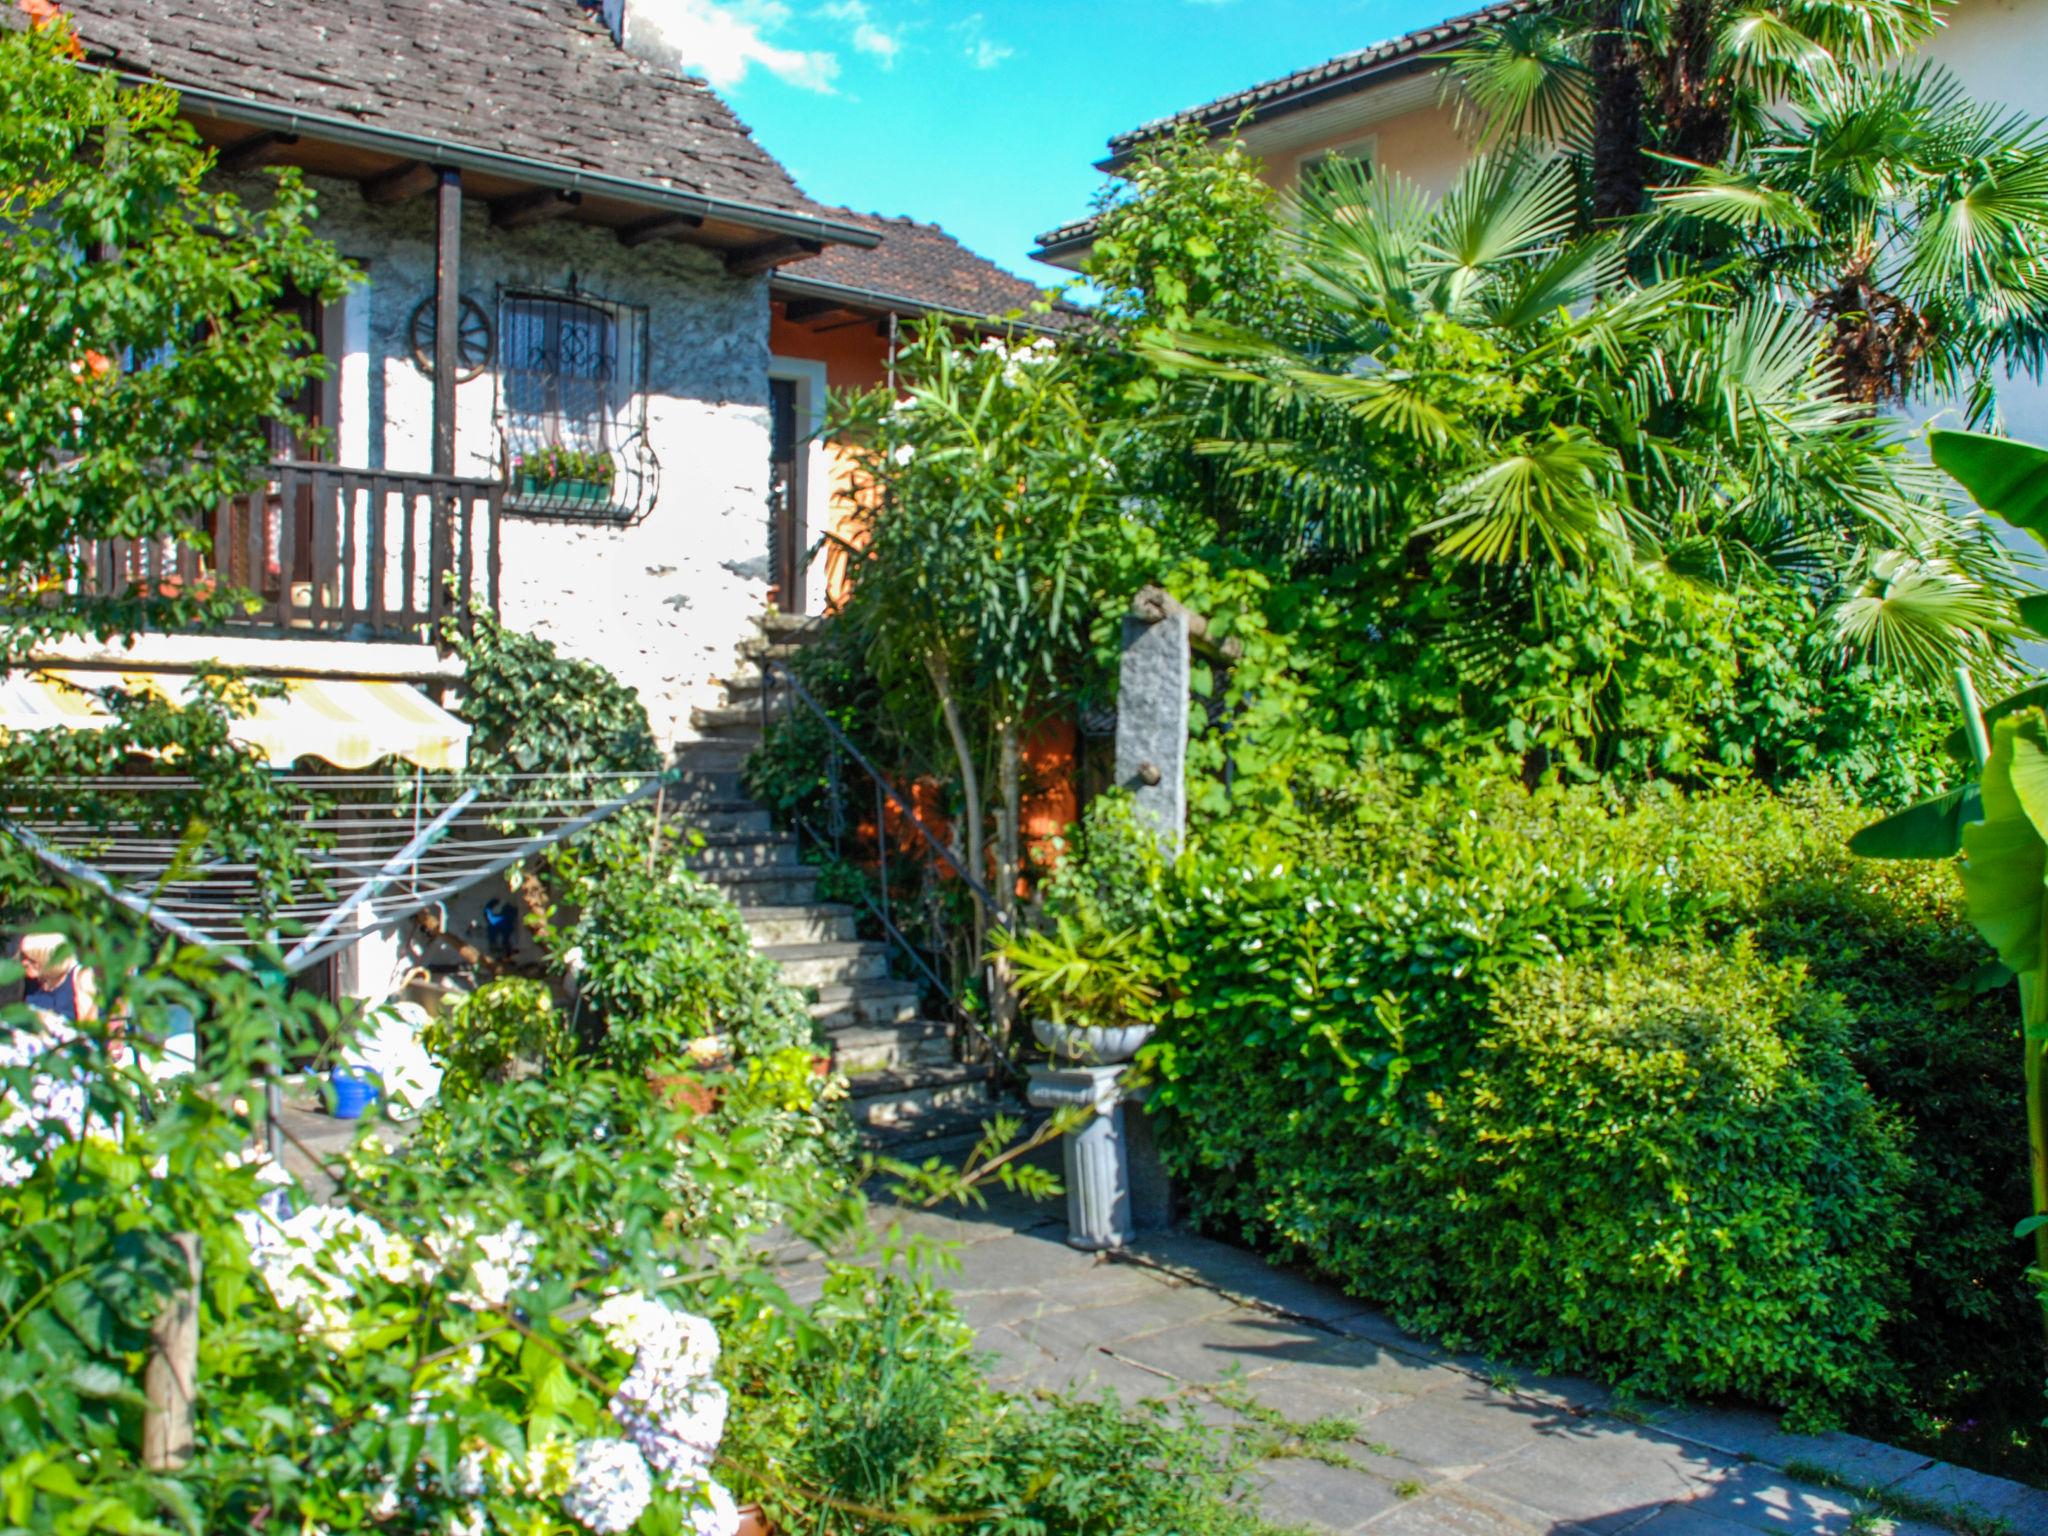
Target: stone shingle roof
{"points": [[539, 79], [1318, 79], [916, 265]]}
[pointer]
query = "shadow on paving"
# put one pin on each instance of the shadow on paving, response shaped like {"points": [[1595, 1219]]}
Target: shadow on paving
{"points": [[1363, 1426]]}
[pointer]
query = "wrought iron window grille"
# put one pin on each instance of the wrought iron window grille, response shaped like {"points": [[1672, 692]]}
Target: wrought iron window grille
{"points": [[572, 407]]}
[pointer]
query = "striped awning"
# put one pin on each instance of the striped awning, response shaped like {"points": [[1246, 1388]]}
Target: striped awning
{"points": [[348, 722]]}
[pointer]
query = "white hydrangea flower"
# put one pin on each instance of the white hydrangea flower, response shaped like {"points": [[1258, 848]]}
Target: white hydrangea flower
{"points": [[310, 1261], [609, 1488], [714, 1513], [677, 1427], [504, 1261], [668, 1404], [470, 1522]]}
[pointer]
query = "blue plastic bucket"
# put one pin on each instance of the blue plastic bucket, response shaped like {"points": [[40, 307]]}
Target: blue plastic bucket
{"points": [[352, 1094]]}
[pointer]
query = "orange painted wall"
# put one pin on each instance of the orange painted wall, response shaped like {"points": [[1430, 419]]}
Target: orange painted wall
{"points": [[857, 357]]}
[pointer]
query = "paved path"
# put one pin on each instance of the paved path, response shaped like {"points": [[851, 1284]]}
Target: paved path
{"points": [[1443, 1446]]}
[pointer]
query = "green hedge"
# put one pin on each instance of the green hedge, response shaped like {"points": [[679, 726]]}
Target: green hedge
{"points": [[1677, 1092]]}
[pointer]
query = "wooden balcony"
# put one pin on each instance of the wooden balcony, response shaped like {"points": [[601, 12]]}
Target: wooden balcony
{"points": [[341, 554]]}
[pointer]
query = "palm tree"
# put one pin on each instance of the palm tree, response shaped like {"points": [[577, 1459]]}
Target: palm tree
{"points": [[1914, 217], [1615, 83], [1792, 138], [1477, 382]]}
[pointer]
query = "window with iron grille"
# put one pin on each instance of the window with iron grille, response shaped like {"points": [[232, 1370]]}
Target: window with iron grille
{"points": [[572, 406]]}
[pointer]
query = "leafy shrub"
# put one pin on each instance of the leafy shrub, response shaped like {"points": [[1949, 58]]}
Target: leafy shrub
{"points": [[535, 710], [885, 1405], [507, 1028], [1359, 979], [661, 958], [1666, 1160]]}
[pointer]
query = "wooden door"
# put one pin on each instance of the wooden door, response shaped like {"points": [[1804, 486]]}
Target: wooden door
{"points": [[786, 542]]}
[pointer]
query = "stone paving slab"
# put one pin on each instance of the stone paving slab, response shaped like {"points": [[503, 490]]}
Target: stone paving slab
{"points": [[1443, 1444]]}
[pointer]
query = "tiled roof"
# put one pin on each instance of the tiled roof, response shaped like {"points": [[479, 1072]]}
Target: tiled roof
{"points": [[539, 79], [918, 265], [1225, 110]]}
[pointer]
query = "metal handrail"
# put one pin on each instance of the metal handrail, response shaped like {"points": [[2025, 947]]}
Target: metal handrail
{"points": [[886, 793], [839, 738]]}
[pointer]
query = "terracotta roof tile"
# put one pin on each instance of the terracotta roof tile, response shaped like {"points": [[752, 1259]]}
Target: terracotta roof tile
{"points": [[541, 79], [919, 265]]}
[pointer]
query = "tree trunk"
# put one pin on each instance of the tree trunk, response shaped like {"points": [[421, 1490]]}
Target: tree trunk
{"points": [[1009, 862], [971, 814], [1619, 170], [1694, 98]]}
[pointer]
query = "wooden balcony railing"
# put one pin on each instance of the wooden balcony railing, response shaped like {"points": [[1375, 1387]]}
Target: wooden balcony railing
{"points": [[339, 553]]}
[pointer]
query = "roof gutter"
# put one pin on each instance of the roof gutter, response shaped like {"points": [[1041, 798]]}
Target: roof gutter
{"points": [[463, 157], [785, 285]]}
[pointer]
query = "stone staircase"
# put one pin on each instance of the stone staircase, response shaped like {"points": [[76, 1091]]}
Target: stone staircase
{"points": [[910, 1093]]}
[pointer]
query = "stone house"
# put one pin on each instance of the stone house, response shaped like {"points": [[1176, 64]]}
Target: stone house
{"points": [[589, 352]]}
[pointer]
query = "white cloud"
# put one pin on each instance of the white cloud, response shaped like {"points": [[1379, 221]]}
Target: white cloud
{"points": [[982, 52], [724, 39], [868, 37]]}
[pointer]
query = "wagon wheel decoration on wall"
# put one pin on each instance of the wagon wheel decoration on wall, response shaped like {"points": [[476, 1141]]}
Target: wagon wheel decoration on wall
{"points": [[475, 340]]}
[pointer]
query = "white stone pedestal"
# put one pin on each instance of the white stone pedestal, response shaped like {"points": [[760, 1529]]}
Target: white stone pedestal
{"points": [[1096, 1157]]}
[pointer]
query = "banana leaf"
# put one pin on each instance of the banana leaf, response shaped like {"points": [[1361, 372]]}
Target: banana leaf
{"points": [[1958, 741], [1931, 829], [2005, 478], [2005, 858]]}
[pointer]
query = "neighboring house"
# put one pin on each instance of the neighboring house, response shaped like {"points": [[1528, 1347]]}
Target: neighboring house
{"points": [[1391, 105], [580, 369]]}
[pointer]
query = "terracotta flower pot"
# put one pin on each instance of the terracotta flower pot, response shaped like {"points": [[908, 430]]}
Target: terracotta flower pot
{"points": [[753, 1522]]}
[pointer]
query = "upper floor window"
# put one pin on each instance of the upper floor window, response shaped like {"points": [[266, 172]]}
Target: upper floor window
{"points": [[572, 405], [1351, 160]]}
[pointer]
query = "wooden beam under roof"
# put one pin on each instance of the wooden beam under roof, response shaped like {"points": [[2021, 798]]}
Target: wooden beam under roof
{"points": [[769, 254], [257, 150], [533, 208], [401, 183], [810, 309], [663, 226]]}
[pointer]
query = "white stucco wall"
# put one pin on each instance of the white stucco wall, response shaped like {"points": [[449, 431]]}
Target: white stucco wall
{"points": [[663, 602], [1998, 49]]}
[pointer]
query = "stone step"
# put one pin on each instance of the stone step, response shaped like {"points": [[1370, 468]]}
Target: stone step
{"points": [[861, 1048], [819, 965], [728, 818], [783, 625], [725, 721], [948, 1134], [755, 647], [775, 885], [742, 686], [884, 1000], [746, 850], [893, 1100], [821, 924]]}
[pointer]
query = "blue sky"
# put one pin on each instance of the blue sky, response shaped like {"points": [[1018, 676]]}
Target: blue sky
{"points": [[987, 116]]}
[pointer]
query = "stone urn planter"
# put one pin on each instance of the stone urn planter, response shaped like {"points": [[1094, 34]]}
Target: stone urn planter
{"points": [[1088, 1046]]}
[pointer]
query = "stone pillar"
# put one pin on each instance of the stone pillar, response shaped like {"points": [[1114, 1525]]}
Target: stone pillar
{"points": [[1152, 722], [1095, 1160]]}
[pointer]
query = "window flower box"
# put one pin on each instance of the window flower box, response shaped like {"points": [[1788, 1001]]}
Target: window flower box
{"points": [[566, 476]]}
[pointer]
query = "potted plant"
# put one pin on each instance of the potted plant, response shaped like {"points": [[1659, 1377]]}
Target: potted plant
{"points": [[1093, 993], [555, 473]]}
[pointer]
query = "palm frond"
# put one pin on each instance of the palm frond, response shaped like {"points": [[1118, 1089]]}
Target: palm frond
{"points": [[1550, 493], [1918, 616], [1737, 200], [1524, 79]]}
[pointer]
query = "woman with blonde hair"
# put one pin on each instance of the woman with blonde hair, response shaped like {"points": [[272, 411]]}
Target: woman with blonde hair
{"points": [[56, 983]]}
